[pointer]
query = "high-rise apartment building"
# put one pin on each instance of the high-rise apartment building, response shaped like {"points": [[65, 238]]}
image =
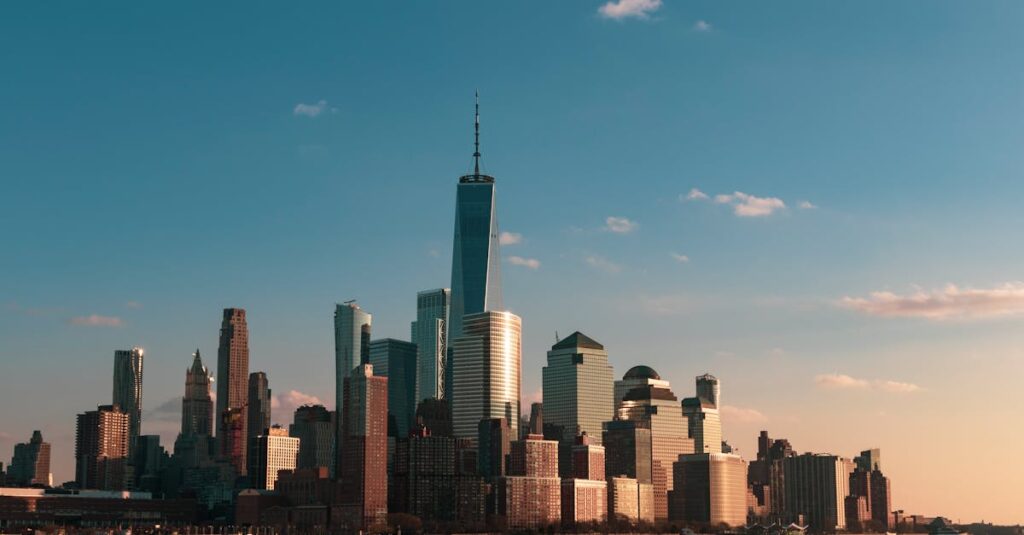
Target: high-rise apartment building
{"points": [[396, 360], [487, 372], [128, 388], [258, 405], [476, 259], [577, 392], [816, 486], [653, 405], [703, 419], [585, 494], [272, 450], [31, 463], [232, 387], [314, 426], [101, 448], [363, 450], [197, 405], [711, 489], [530, 496], [430, 334]]}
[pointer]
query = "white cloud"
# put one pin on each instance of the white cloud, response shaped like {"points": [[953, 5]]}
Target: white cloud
{"points": [[312, 110], [952, 302], [620, 225], [603, 264], [510, 238], [742, 414], [837, 381], [681, 258], [746, 205], [531, 263], [168, 411], [702, 26], [807, 205], [95, 320], [694, 195], [623, 9], [284, 405]]}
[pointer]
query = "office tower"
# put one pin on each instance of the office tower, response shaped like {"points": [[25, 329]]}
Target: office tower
{"points": [[128, 388], [430, 334], [630, 501], [636, 377], [476, 259], [494, 445], [881, 501], [711, 489], [362, 452], [258, 405], [627, 446], [30, 465], [351, 348], [703, 420], [425, 476], [147, 460], [577, 387], [869, 460], [816, 486], [272, 450], [486, 372], [767, 496], [197, 405], [232, 387], [535, 425], [314, 426], [585, 494], [396, 360], [653, 405], [101, 448], [434, 415], [530, 496]]}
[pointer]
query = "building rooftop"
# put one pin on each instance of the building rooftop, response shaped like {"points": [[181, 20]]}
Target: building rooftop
{"points": [[641, 372], [577, 339]]}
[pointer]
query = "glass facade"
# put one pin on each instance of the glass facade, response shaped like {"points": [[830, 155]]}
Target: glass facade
{"points": [[396, 360], [476, 270], [351, 344], [128, 388], [430, 334], [487, 372], [577, 388]]}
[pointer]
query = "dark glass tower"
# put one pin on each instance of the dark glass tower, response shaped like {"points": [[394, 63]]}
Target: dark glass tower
{"points": [[476, 272]]}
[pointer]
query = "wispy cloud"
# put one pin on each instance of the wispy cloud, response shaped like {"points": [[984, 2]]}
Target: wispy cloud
{"points": [[742, 414], [510, 238], [746, 205], [95, 320], [694, 195], [681, 258], [284, 405], [602, 264], [133, 304], [168, 411], [702, 26], [949, 303], [312, 110], [620, 225], [838, 381], [531, 263], [807, 205], [624, 9]]}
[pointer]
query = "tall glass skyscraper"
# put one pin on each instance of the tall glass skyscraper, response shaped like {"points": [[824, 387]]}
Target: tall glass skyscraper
{"points": [[578, 388], [487, 372], [128, 388], [430, 334], [476, 270], [396, 360], [351, 343]]}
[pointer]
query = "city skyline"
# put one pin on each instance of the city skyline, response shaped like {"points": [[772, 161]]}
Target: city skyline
{"points": [[838, 252]]}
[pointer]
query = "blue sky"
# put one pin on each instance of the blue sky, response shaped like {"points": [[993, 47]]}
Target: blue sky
{"points": [[159, 163]]}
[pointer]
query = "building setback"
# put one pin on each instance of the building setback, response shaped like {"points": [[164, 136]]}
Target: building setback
{"points": [[530, 496], [703, 419], [232, 387]]}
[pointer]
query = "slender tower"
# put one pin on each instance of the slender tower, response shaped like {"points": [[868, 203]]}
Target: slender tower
{"points": [[196, 405], [232, 387], [128, 389]]}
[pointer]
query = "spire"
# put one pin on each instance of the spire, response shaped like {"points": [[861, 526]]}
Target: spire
{"points": [[476, 140]]}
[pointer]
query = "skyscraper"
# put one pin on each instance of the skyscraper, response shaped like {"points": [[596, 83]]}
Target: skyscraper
{"points": [[869, 460], [272, 450], [705, 424], [430, 334], [128, 388], [258, 405], [530, 496], [232, 386], [476, 270], [31, 463], [197, 405], [816, 486], [494, 444], [101, 448], [585, 494], [362, 456], [711, 489], [487, 372], [314, 427], [654, 406], [577, 387], [396, 360], [351, 343]]}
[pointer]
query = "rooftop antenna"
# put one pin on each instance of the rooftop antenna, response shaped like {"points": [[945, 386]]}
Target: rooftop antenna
{"points": [[556, 337], [476, 140]]}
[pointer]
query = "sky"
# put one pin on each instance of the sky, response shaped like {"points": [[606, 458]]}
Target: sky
{"points": [[817, 202]]}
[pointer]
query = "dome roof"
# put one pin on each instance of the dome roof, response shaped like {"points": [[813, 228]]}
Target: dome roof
{"points": [[641, 372]]}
